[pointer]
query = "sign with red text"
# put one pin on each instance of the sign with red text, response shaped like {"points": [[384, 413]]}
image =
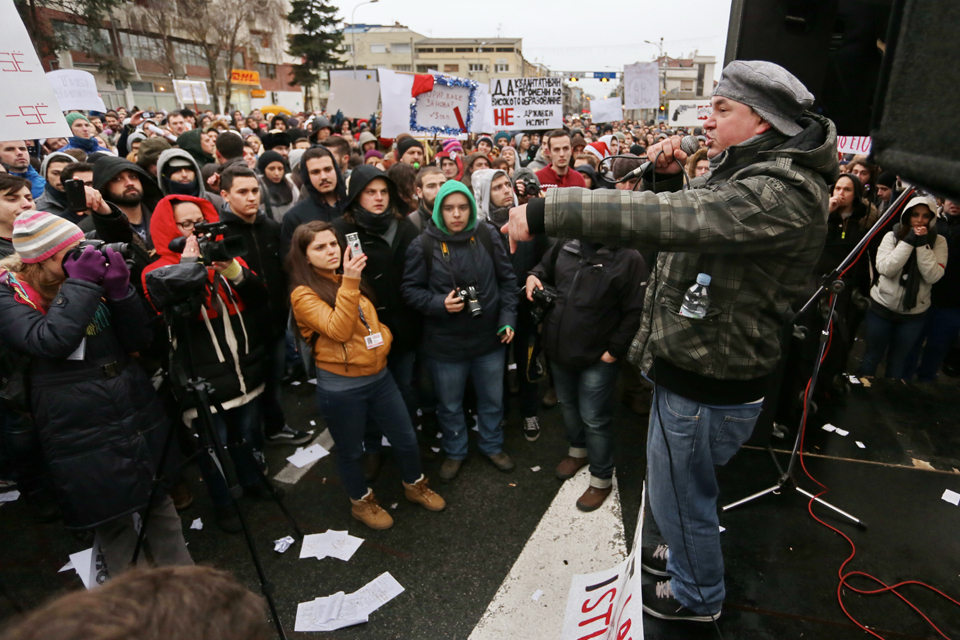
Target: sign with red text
{"points": [[854, 144], [606, 605], [688, 113], [28, 106], [76, 90], [524, 104]]}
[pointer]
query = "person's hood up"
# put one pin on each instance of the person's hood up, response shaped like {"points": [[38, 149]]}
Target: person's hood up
{"points": [[918, 200], [526, 173], [189, 141], [456, 157], [481, 182], [150, 149], [473, 157], [448, 187], [539, 157], [341, 189], [133, 137], [163, 227], [293, 158], [165, 159], [66, 157], [363, 175], [587, 170], [517, 139], [107, 167]]}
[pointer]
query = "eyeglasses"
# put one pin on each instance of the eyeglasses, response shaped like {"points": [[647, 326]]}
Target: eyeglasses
{"points": [[186, 225]]}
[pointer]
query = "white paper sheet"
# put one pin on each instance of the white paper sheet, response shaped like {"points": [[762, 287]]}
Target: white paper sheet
{"points": [[951, 496], [334, 544], [829, 427], [281, 545], [339, 610], [197, 524], [302, 457], [10, 496], [861, 445]]}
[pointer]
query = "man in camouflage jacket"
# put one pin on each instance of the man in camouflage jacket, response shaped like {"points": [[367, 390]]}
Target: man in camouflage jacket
{"points": [[756, 223]]}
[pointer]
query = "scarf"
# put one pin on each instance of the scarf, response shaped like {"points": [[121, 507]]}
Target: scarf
{"points": [[377, 224], [86, 144], [909, 277], [499, 216], [280, 192]]}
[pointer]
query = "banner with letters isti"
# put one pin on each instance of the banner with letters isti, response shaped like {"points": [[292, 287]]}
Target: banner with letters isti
{"points": [[526, 104]]}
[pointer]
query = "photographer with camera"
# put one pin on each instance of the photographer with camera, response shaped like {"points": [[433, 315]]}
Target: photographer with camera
{"points": [[495, 196], [458, 275], [336, 316], [593, 307], [225, 342], [100, 422]]}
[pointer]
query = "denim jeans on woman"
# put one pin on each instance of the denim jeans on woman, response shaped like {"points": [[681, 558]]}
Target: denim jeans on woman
{"points": [[940, 332], [346, 414], [700, 438], [895, 338], [450, 381], [586, 397], [239, 430]]}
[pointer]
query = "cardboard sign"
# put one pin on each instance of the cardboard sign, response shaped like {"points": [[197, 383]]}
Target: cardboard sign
{"points": [[523, 104], [76, 90], [688, 113], [191, 91], [641, 86], [854, 144], [28, 106], [609, 110], [354, 98]]}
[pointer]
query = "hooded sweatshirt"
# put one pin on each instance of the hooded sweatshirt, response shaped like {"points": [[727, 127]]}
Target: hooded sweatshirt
{"points": [[314, 206], [908, 268], [189, 141], [481, 181], [455, 337], [195, 189], [53, 201], [226, 342], [281, 196], [104, 170]]}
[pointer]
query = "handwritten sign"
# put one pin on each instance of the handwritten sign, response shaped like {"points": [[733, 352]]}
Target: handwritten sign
{"points": [[688, 113], [191, 91], [521, 104], [641, 83], [854, 144], [28, 106], [76, 89]]}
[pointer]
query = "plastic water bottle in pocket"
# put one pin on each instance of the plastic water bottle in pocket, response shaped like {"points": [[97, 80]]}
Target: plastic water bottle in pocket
{"points": [[696, 301]]}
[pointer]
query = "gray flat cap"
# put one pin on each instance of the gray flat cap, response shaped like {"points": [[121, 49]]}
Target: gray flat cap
{"points": [[771, 90]]}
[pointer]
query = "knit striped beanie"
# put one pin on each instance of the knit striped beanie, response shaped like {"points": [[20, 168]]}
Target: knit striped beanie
{"points": [[38, 235]]}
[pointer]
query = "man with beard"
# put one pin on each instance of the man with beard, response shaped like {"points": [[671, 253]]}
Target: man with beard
{"points": [[428, 183], [54, 199], [324, 184], [130, 194]]}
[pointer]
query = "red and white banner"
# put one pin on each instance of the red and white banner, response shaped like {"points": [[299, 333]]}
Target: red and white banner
{"points": [[854, 144]]}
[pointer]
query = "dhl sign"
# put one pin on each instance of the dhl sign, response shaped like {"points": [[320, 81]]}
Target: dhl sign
{"points": [[242, 76]]}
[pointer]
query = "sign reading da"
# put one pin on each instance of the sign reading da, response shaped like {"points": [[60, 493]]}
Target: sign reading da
{"points": [[521, 104]]}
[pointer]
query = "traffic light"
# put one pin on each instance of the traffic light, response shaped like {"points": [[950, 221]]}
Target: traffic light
{"points": [[663, 108], [572, 79], [604, 79]]}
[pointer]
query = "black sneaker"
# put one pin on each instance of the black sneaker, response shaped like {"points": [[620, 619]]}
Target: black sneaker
{"points": [[289, 436], [531, 428], [228, 520], [653, 560], [658, 601]]}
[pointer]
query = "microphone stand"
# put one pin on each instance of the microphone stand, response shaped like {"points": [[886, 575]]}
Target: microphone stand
{"points": [[833, 283]]}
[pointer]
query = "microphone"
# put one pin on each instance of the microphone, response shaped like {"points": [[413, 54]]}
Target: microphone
{"points": [[688, 144]]}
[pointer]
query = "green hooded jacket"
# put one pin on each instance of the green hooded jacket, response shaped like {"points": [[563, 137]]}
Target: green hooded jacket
{"points": [[451, 186]]}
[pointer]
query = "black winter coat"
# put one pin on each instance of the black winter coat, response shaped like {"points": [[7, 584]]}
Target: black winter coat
{"points": [[946, 291], [313, 207], [459, 336], [101, 425], [263, 258], [599, 303], [384, 273]]}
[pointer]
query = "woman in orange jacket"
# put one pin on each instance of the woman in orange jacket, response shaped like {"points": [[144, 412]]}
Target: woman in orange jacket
{"points": [[337, 318]]}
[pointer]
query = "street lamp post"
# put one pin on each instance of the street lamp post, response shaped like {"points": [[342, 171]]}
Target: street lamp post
{"points": [[663, 70], [353, 34]]}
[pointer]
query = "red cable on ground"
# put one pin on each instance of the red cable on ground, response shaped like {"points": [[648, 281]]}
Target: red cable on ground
{"points": [[853, 549]]}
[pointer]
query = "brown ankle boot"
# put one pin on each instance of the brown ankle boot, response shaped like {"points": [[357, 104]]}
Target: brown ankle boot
{"points": [[367, 510], [420, 493]]}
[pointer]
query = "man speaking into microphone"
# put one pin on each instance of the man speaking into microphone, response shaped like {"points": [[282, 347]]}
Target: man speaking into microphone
{"points": [[755, 224]]}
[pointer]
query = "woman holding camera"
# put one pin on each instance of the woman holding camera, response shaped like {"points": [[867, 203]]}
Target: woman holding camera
{"points": [[101, 425], [338, 320], [224, 346]]}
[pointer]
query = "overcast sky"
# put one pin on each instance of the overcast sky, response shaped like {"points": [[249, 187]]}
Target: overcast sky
{"points": [[566, 35]]}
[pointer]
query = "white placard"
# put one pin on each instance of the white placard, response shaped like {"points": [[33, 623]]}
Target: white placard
{"points": [[854, 144], [395, 91], [641, 82], [608, 110], [76, 90], [483, 115], [439, 107], [354, 98], [688, 113], [191, 91], [28, 107], [359, 74], [524, 104]]}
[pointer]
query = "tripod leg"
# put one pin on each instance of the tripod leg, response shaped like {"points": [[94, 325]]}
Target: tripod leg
{"points": [[857, 521], [759, 494], [157, 478]]}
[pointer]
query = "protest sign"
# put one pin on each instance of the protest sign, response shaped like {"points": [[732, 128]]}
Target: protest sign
{"points": [[608, 110], [354, 98], [524, 104], [641, 84], [448, 108], [689, 113], [76, 90], [191, 91], [28, 106], [854, 144]]}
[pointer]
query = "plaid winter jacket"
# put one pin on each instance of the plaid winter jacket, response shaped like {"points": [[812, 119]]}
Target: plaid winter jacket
{"points": [[756, 224]]}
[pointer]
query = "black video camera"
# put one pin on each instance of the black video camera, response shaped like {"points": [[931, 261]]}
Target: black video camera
{"points": [[469, 295], [212, 250], [543, 302], [122, 248]]}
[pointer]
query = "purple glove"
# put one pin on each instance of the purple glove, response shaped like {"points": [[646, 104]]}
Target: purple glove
{"points": [[90, 266], [116, 280]]}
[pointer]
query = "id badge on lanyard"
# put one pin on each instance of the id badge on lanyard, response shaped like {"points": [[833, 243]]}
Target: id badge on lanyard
{"points": [[373, 340]]}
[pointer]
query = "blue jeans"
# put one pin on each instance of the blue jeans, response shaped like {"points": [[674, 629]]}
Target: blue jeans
{"points": [[401, 368], [586, 398], [239, 431], [896, 339], [273, 367], [940, 332], [450, 381], [700, 438], [347, 414]]}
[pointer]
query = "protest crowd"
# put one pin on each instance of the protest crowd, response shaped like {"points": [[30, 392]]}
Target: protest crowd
{"points": [[381, 268]]}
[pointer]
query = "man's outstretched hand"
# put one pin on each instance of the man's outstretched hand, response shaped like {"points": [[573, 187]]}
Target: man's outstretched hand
{"points": [[517, 228]]}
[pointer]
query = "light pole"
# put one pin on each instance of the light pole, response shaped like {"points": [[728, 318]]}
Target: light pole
{"points": [[353, 34], [663, 70]]}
